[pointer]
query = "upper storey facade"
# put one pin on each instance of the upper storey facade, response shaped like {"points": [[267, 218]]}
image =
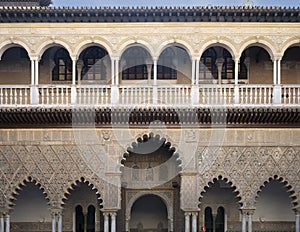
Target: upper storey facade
{"points": [[157, 56]]}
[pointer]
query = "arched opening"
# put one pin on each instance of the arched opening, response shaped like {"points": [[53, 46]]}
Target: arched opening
{"points": [[30, 208], [136, 64], [290, 65], [15, 67], [94, 65], [81, 209], [174, 63], [220, 220], [149, 213], [79, 219], [274, 208], [256, 66], [150, 167], [216, 66], [55, 66], [220, 206], [91, 219], [208, 219]]}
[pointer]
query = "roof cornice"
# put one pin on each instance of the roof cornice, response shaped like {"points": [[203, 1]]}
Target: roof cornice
{"points": [[149, 14]]}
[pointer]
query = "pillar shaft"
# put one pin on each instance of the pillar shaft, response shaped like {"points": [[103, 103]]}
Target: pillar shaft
{"points": [[297, 226], [117, 71], [236, 71], [1, 223], [74, 61], [59, 229], [187, 222], [7, 223], [154, 72], [249, 222], [244, 223], [274, 72], [106, 221], [113, 222], [194, 222], [53, 221]]}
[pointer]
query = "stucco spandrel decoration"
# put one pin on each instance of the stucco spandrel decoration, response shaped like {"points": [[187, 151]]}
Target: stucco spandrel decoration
{"points": [[251, 170]]}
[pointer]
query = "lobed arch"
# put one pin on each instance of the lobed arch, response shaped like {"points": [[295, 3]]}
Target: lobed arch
{"points": [[14, 43], [142, 137], [19, 186], [221, 42], [285, 183], [236, 191], [128, 43], [51, 43], [289, 43], [67, 190], [263, 43], [180, 43], [102, 43]]}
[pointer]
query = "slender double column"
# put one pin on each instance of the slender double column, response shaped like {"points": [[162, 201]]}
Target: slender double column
{"points": [[277, 81], [247, 216], [4, 222], [34, 96], [191, 219], [56, 221], [110, 221]]}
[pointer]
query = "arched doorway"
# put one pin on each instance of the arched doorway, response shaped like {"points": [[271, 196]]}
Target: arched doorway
{"points": [[150, 173], [149, 213]]}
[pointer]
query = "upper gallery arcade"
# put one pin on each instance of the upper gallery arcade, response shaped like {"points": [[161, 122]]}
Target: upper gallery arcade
{"points": [[66, 56]]}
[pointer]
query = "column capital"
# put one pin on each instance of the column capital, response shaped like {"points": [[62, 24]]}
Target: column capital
{"points": [[187, 214], [56, 211], [247, 211], [35, 58], [297, 210]]}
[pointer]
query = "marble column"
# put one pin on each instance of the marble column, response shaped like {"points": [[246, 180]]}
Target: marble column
{"points": [[194, 221], [53, 223], [197, 71], [193, 72], [279, 72], [117, 76], [106, 221], [155, 72], [113, 222], [274, 72], [74, 61], [1, 223], [112, 71], [244, 222], [36, 79], [187, 222], [59, 229], [7, 220], [250, 221], [236, 71], [297, 222]]}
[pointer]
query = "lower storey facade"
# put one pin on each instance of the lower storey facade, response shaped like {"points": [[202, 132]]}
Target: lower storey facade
{"points": [[86, 179]]}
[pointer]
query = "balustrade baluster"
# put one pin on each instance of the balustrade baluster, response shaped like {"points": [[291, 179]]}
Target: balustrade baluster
{"points": [[294, 96], [25, 96]]}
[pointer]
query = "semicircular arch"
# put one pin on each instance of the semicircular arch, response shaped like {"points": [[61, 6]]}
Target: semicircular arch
{"points": [[180, 43], [263, 43], [221, 42], [15, 43], [89, 43], [166, 200], [128, 43], [288, 44], [52, 43]]}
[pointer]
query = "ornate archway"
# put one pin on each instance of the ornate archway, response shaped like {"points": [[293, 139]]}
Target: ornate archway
{"points": [[158, 199]]}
